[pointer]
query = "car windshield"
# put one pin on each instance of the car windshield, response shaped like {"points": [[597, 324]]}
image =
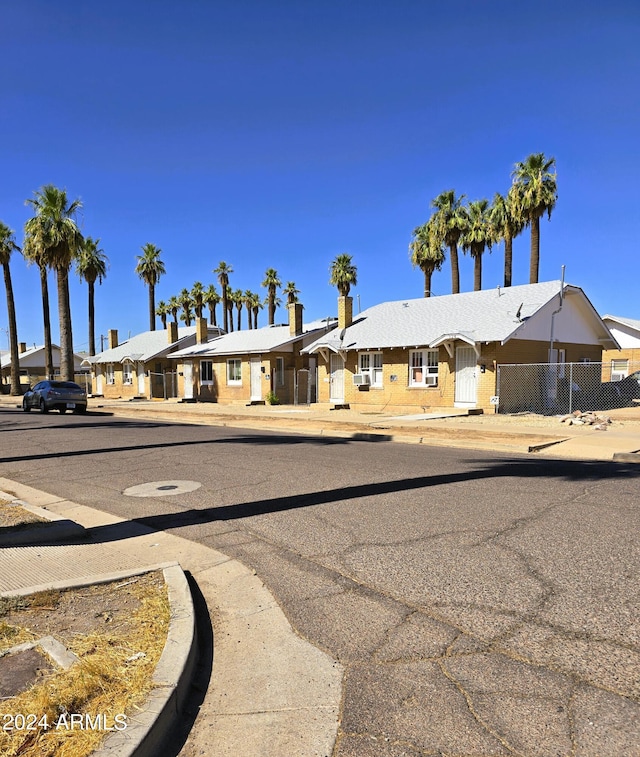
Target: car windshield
{"points": [[66, 385]]}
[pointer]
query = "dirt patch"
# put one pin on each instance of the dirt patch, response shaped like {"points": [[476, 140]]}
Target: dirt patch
{"points": [[117, 631], [15, 516]]}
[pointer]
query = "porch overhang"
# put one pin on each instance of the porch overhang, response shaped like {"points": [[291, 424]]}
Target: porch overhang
{"points": [[447, 341]]}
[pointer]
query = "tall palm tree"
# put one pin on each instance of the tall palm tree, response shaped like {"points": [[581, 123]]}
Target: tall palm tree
{"points": [[506, 227], [426, 252], [211, 299], [534, 192], [238, 300], [186, 303], [291, 292], [150, 268], [223, 270], [228, 298], [344, 274], [248, 299], [33, 252], [56, 236], [173, 306], [163, 311], [7, 247], [271, 282], [91, 265], [197, 297], [256, 307], [478, 237], [450, 222]]}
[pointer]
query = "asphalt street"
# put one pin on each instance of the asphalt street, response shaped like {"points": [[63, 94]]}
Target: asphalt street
{"points": [[481, 604]]}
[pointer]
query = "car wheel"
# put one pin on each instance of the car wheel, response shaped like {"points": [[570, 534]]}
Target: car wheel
{"points": [[25, 405], [43, 407], [81, 410], [62, 410]]}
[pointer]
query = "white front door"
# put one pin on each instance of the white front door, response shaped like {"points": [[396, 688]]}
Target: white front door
{"points": [[256, 378], [187, 372], [466, 393], [336, 393], [99, 380], [141, 379]]}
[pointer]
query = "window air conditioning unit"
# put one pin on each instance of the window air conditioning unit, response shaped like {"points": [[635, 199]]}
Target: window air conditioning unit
{"points": [[361, 379]]}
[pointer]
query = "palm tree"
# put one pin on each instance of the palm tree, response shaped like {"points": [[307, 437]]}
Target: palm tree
{"points": [[33, 252], [506, 227], [478, 237], [211, 299], [426, 252], [91, 265], [534, 193], [248, 300], [150, 268], [7, 247], [173, 306], [256, 307], [271, 282], [238, 301], [186, 303], [450, 222], [197, 297], [343, 274], [56, 236], [163, 311], [223, 270], [228, 298], [291, 292]]}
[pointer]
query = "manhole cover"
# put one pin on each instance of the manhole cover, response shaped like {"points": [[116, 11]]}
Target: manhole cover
{"points": [[162, 488]]}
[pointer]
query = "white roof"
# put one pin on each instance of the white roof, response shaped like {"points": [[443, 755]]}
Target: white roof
{"points": [[630, 322], [253, 341], [490, 315], [145, 346]]}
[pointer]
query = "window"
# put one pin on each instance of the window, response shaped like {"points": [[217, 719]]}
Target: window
{"points": [[280, 371], [234, 372], [370, 364], [127, 373], [109, 373], [619, 369], [206, 372], [423, 368]]}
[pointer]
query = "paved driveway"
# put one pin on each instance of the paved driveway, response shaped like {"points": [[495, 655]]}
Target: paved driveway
{"points": [[480, 605]]}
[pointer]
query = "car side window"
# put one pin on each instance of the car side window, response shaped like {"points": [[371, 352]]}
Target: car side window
{"points": [[37, 386]]}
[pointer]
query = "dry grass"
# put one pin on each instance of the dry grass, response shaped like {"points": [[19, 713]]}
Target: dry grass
{"points": [[16, 516], [112, 677]]}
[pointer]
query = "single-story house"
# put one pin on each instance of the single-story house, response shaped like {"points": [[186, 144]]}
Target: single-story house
{"points": [[141, 366], [32, 364], [444, 351], [618, 364], [244, 366]]}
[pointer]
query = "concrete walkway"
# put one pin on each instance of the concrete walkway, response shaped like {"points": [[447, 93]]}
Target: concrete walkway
{"points": [[271, 692]]}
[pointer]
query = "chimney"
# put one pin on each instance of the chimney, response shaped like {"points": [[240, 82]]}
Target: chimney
{"points": [[295, 318], [113, 338], [22, 347], [172, 331], [345, 312], [202, 332]]}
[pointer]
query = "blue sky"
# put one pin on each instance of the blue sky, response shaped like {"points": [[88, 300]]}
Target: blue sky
{"points": [[280, 134]]}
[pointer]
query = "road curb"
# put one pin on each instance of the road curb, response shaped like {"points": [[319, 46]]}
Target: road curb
{"points": [[626, 457], [57, 529]]}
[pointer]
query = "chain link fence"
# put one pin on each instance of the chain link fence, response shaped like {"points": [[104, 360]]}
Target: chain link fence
{"points": [[561, 388]]}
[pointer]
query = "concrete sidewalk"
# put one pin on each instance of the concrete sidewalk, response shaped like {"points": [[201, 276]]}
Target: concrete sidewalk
{"points": [[270, 693], [443, 427]]}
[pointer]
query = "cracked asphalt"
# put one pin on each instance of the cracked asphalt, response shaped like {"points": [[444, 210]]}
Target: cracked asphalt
{"points": [[481, 604]]}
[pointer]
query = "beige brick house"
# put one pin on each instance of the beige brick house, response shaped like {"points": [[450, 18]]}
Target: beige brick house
{"points": [[141, 366], [244, 366], [31, 362], [618, 364], [444, 351]]}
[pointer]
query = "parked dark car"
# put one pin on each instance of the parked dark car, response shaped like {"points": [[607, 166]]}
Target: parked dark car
{"points": [[621, 393], [55, 395]]}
